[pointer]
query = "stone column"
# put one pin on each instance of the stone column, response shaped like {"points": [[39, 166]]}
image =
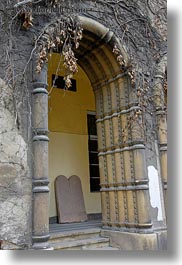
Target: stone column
{"points": [[161, 120], [136, 186], [102, 159], [123, 172], [40, 226]]}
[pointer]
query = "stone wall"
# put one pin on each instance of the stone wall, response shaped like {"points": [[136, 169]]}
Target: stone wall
{"points": [[15, 182]]}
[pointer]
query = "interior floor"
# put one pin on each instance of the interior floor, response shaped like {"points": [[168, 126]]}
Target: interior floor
{"points": [[55, 228]]}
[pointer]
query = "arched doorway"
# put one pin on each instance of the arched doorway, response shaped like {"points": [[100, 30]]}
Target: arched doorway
{"points": [[121, 149], [73, 140]]}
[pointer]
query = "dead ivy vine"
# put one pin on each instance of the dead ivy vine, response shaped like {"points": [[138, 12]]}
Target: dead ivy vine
{"points": [[62, 36], [139, 25]]}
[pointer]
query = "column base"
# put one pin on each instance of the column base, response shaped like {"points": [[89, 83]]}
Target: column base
{"points": [[156, 241], [40, 242], [41, 246]]}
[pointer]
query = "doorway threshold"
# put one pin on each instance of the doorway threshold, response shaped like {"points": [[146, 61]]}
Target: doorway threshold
{"points": [[55, 228]]}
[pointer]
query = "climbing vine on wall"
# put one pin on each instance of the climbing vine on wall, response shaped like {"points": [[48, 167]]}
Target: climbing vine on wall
{"points": [[139, 25], [62, 36]]}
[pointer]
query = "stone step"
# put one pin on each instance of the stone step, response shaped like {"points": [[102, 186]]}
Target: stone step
{"points": [[75, 226], [74, 235], [82, 244], [106, 248]]}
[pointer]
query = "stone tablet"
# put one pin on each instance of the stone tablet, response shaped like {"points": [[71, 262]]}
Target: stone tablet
{"points": [[69, 199]]}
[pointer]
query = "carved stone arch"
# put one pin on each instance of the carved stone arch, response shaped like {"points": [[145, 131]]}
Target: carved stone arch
{"points": [[122, 163], [105, 37], [104, 33], [85, 66], [97, 66]]}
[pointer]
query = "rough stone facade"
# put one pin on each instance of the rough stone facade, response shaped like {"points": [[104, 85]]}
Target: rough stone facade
{"points": [[143, 38], [15, 180]]}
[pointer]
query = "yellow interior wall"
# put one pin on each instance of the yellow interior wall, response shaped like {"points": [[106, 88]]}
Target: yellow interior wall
{"points": [[68, 147]]}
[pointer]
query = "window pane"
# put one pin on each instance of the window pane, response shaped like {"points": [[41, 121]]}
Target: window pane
{"points": [[92, 130], [93, 145], [94, 184], [93, 158], [94, 171], [93, 153], [59, 82]]}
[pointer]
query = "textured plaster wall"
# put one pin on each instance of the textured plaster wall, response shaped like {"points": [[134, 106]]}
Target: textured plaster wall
{"points": [[68, 155], [154, 190]]}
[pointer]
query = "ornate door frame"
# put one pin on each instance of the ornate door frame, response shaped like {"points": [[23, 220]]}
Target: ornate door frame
{"points": [[122, 162]]}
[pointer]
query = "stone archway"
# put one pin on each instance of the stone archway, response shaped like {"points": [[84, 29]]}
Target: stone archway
{"points": [[124, 181]]}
